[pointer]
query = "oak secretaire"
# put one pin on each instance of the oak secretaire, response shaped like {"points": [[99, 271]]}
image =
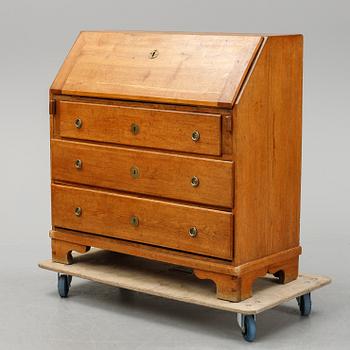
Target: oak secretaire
{"points": [[183, 148]]}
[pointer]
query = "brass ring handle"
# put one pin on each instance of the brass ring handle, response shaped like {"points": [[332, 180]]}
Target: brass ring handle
{"points": [[196, 136], [78, 164], [78, 123], [195, 181], [193, 231], [134, 221], [78, 211]]}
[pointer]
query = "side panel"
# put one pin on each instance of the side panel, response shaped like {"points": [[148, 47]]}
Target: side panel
{"points": [[267, 139]]}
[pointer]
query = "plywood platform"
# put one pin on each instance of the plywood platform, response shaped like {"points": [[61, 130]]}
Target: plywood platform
{"points": [[174, 283]]}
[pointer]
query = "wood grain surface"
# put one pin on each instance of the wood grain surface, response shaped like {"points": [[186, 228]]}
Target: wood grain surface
{"points": [[170, 130], [164, 175], [142, 250], [159, 223], [268, 152], [242, 93], [189, 69]]}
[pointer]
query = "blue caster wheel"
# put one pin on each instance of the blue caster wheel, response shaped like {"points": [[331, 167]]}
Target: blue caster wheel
{"points": [[304, 303], [63, 285], [247, 324]]}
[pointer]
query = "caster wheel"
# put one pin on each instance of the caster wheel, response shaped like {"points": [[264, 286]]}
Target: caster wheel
{"points": [[304, 303], [280, 277], [248, 326], [63, 285]]}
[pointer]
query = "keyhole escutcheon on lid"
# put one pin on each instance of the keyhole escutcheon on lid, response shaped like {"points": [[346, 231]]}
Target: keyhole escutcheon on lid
{"points": [[153, 54]]}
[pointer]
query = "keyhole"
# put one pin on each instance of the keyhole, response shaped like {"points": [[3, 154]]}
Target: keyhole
{"points": [[134, 221], [134, 172], [153, 54], [135, 128]]}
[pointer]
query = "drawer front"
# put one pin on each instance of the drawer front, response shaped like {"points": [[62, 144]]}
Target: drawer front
{"points": [[143, 220], [170, 130], [206, 181]]}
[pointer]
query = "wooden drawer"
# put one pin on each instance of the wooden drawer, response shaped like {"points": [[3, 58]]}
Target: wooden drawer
{"points": [[170, 130], [157, 174], [143, 220]]}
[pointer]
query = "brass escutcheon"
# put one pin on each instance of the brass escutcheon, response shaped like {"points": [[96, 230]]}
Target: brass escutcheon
{"points": [[134, 221], [78, 211], [135, 129], [134, 172], [153, 54]]}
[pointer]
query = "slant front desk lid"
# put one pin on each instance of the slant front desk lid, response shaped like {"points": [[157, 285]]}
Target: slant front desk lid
{"points": [[179, 68]]}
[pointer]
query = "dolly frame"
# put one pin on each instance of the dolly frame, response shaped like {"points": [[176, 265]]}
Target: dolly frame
{"points": [[177, 283]]}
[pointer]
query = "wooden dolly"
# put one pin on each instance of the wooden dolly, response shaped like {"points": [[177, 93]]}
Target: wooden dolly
{"points": [[177, 283]]}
